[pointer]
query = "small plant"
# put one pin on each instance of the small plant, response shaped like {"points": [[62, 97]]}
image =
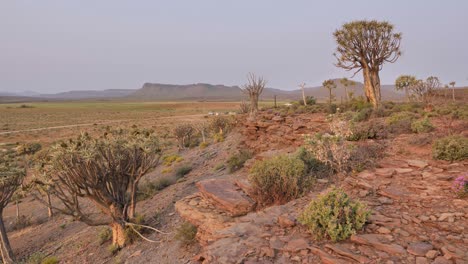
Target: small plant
{"points": [[451, 148], [22, 222], [186, 233], [219, 166], [166, 170], [334, 215], [113, 249], [422, 126], [104, 235], [331, 150], [170, 159], [400, 122], [460, 185], [218, 137], [182, 171], [314, 166], [279, 179], [149, 189], [50, 260], [236, 161], [35, 258], [203, 145], [362, 115], [62, 226]]}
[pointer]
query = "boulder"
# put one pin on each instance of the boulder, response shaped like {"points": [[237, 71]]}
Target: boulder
{"points": [[226, 196]]}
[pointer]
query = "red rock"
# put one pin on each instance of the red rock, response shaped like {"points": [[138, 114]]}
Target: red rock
{"points": [[286, 221], [418, 163], [226, 196], [374, 240], [327, 258], [419, 248], [345, 252], [296, 245]]}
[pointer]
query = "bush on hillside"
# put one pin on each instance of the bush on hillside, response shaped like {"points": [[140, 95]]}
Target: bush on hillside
{"points": [[334, 215], [451, 148], [236, 161], [279, 179], [422, 126]]}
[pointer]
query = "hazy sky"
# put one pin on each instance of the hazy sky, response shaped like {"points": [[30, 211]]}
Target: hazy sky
{"points": [[51, 46]]}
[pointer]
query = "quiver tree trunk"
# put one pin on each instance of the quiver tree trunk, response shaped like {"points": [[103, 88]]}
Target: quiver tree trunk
{"points": [[7, 253], [119, 237], [49, 205], [372, 86], [254, 104]]}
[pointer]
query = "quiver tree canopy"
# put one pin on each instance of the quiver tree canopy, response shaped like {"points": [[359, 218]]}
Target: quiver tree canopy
{"points": [[365, 46], [105, 170]]}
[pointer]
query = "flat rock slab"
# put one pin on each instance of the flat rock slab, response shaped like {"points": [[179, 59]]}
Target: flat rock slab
{"points": [[226, 196], [378, 242]]}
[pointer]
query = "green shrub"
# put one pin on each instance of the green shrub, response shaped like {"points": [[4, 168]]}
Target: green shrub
{"points": [[279, 180], [358, 103], [369, 130], [149, 189], [236, 161], [35, 258], [334, 215], [400, 122], [422, 126], [314, 166], [104, 235], [186, 233], [203, 145], [170, 159], [451, 148], [50, 260], [182, 171], [362, 115]]}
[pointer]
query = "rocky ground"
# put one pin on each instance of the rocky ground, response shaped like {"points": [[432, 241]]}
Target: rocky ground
{"points": [[416, 218]]}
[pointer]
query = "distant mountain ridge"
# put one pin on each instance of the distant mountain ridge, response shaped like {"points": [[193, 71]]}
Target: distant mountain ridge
{"points": [[198, 92]]}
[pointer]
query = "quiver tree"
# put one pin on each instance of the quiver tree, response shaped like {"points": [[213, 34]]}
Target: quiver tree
{"points": [[104, 170], [302, 85], [424, 91], [406, 83], [184, 134], [253, 89], [453, 90], [12, 173], [330, 85], [367, 45]]}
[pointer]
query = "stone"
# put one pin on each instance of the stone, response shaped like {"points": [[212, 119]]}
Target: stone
{"points": [[366, 175], [345, 252], [418, 163], [267, 252], [403, 170], [363, 193], [296, 245], [384, 230], [419, 248], [226, 196], [327, 258], [444, 216], [375, 240], [432, 254], [441, 260], [385, 200], [286, 221], [385, 172], [421, 260]]}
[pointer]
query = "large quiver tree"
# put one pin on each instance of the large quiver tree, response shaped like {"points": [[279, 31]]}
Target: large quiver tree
{"points": [[12, 173], [365, 46], [254, 88], [106, 171]]}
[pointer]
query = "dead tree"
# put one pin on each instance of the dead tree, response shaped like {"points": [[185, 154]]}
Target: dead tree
{"points": [[254, 89], [104, 170], [405, 82], [365, 46], [12, 174], [329, 85], [425, 91]]}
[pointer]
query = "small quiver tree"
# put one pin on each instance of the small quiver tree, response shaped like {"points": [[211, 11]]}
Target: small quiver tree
{"points": [[406, 83], [254, 89], [329, 85], [12, 173], [104, 170]]}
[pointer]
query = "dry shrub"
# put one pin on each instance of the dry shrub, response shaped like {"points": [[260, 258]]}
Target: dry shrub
{"points": [[186, 233], [184, 134], [364, 156]]}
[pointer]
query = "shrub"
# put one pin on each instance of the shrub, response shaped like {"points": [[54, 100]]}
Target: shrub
{"points": [[203, 145], [219, 166], [104, 235], [279, 180], [170, 159], [358, 103], [50, 260], [400, 122], [182, 171], [334, 215], [420, 140], [313, 166], [131, 231], [422, 126], [365, 156], [218, 137], [362, 115], [113, 249], [370, 130], [330, 149], [149, 189], [22, 222], [451, 148], [35, 258], [186, 233], [460, 185], [236, 161]]}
